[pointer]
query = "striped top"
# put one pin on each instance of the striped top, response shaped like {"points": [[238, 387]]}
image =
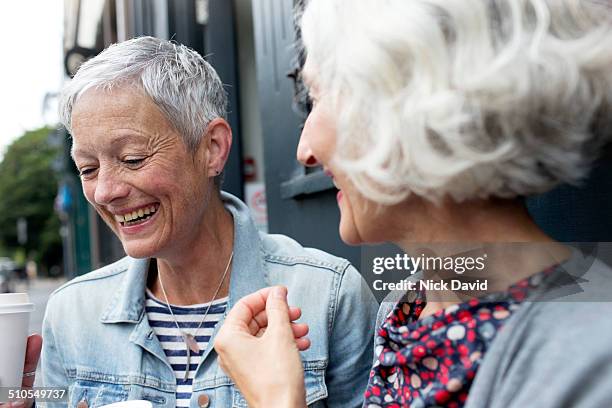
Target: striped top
{"points": [[171, 339]]}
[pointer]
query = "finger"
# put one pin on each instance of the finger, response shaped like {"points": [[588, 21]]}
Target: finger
{"points": [[294, 313], [254, 327], [247, 308], [278, 310], [303, 343], [299, 330], [33, 349], [261, 319]]}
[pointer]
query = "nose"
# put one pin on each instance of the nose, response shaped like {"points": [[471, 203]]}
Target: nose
{"points": [[304, 153], [109, 187]]}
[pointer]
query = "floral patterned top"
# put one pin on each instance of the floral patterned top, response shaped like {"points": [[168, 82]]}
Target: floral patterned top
{"points": [[433, 361]]}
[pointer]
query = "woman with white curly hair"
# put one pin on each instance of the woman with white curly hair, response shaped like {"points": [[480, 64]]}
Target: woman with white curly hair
{"points": [[436, 118]]}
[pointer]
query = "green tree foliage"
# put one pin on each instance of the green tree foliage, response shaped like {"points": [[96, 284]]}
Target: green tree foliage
{"points": [[28, 186]]}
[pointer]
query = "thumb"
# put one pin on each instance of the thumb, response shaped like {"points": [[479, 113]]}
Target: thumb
{"points": [[277, 309]]}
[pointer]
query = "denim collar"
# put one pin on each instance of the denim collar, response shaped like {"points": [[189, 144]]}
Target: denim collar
{"points": [[247, 274]]}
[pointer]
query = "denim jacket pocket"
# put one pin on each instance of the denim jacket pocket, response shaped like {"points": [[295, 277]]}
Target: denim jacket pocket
{"points": [[96, 394], [314, 381]]}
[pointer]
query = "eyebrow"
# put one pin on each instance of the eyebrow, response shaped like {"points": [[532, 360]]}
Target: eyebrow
{"points": [[119, 140]]}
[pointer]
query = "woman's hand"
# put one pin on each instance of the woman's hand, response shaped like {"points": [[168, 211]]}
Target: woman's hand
{"points": [[258, 347], [31, 361]]}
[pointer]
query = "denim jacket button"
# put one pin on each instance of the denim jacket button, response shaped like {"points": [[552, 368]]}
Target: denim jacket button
{"points": [[203, 401], [82, 404]]}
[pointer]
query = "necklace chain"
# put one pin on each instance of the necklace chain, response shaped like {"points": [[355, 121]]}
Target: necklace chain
{"points": [[189, 338]]}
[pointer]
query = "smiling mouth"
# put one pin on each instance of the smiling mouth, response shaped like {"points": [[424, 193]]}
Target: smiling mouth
{"points": [[137, 216]]}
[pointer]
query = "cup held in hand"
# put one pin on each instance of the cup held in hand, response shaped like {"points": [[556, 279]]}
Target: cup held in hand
{"points": [[15, 309]]}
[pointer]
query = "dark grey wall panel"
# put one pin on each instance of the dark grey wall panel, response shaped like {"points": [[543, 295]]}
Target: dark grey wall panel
{"points": [[578, 213], [309, 215], [143, 17], [183, 27], [220, 49]]}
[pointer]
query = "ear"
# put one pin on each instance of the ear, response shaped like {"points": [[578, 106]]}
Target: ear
{"points": [[218, 141]]}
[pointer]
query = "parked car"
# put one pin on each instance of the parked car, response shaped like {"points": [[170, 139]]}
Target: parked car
{"points": [[7, 274]]}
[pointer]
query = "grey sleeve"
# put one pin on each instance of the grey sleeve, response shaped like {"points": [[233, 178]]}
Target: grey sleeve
{"points": [[567, 373], [559, 356]]}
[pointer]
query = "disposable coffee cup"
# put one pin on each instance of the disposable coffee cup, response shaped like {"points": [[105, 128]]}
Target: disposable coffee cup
{"points": [[130, 404], [15, 309]]}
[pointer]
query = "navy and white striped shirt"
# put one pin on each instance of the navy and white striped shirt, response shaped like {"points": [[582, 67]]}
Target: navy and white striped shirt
{"points": [[171, 339]]}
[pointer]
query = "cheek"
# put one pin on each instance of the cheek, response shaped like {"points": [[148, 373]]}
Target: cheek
{"points": [[89, 191], [183, 200], [156, 187]]}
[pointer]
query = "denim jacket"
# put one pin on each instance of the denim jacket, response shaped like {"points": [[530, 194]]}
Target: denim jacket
{"points": [[98, 343]]}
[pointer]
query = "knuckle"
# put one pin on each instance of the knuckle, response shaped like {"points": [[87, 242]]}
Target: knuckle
{"points": [[220, 345]]}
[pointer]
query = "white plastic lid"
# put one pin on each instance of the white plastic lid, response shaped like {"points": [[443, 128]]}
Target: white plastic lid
{"points": [[15, 303]]}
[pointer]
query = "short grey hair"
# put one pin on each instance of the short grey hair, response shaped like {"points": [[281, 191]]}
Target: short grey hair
{"points": [[463, 98], [185, 88]]}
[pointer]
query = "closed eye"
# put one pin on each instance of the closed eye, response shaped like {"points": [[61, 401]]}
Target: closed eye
{"points": [[87, 171], [134, 162]]}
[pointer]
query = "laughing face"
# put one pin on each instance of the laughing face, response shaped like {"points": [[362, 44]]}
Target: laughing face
{"points": [[137, 172]]}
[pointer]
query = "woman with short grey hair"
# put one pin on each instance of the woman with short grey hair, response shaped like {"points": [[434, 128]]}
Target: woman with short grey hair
{"points": [[150, 141], [435, 118]]}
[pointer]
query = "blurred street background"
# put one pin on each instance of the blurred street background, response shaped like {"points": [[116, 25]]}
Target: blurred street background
{"points": [[31, 249]]}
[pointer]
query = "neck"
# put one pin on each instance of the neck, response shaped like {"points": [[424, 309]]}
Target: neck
{"points": [[193, 276], [502, 231]]}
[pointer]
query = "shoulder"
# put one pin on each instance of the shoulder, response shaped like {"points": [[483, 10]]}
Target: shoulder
{"points": [[570, 323], [282, 250], [578, 297], [322, 283], [108, 272], [89, 291], [574, 323], [564, 344], [560, 339]]}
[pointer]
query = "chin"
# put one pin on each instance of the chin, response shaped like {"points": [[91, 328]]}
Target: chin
{"points": [[349, 234], [138, 251]]}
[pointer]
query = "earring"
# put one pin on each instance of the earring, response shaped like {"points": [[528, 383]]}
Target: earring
{"points": [[218, 172]]}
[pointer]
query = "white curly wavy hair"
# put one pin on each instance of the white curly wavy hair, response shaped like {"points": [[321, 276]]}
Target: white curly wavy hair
{"points": [[463, 98]]}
